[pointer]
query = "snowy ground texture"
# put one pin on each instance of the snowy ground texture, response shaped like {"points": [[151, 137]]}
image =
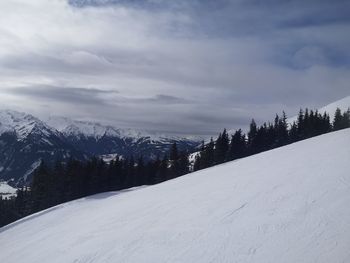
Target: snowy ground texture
{"points": [[287, 205]]}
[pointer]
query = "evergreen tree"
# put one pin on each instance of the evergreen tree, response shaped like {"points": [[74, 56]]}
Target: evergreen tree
{"points": [[174, 155], [293, 133], [221, 147], [338, 120], [40, 186], [208, 155], [162, 173], [130, 173], [281, 128], [251, 136], [58, 187], [183, 164], [346, 119], [173, 162], [237, 148], [140, 172]]}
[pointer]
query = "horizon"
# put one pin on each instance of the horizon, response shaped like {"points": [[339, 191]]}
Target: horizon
{"points": [[185, 135]]}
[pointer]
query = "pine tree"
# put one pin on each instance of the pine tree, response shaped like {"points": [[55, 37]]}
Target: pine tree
{"points": [[346, 119], [173, 161], [162, 173], [237, 148], [338, 120], [293, 133], [174, 155], [140, 172], [301, 125], [221, 147], [281, 128], [251, 136], [58, 179], [40, 188], [198, 162], [183, 164], [130, 172], [208, 155]]}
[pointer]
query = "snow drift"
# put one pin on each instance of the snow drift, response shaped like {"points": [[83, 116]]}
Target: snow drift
{"points": [[286, 205]]}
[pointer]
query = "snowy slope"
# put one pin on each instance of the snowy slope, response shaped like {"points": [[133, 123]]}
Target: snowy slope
{"points": [[290, 204], [343, 105]]}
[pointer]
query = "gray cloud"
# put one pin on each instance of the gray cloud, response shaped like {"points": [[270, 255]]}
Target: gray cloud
{"points": [[71, 95], [161, 98], [175, 66]]}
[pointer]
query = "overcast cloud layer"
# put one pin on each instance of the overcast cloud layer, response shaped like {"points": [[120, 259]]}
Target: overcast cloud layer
{"points": [[191, 67]]}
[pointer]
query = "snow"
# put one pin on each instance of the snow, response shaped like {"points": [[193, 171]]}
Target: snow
{"points": [[77, 128], [343, 105], [289, 204], [110, 157], [32, 168], [7, 191], [97, 130], [192, 159], [22, 124]]}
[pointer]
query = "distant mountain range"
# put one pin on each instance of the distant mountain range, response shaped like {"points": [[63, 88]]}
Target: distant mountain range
{"points": [[25, 140]]}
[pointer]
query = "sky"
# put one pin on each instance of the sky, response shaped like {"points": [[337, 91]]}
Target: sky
{"points": [[180, 67]]}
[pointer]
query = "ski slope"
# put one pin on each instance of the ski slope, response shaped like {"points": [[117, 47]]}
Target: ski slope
{"points": [[290, 204]]}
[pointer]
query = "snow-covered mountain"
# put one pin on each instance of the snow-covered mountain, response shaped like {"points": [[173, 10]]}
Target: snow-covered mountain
{"points": [[96, 130], [70, 127], [289, 204], [23, 125], [25, 140], [98, 139]]}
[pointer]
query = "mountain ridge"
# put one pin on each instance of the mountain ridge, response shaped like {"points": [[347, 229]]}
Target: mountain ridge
{"points": [[26, 140]]}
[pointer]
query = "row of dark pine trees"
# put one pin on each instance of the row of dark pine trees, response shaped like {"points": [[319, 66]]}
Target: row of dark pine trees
{"points": [[75, 179], [268, 136]]}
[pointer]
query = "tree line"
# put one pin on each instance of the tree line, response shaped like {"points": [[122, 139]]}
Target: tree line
{"points": [[64, 182], [74, 179], [268, 136]]}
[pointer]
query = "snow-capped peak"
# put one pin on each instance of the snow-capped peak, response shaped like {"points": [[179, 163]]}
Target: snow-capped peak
{"points": [[22, 124], [70, 127], [97, 130]]}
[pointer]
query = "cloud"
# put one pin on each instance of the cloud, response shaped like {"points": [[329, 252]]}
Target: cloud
{"points": [[178, 66], [70, 95]]}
